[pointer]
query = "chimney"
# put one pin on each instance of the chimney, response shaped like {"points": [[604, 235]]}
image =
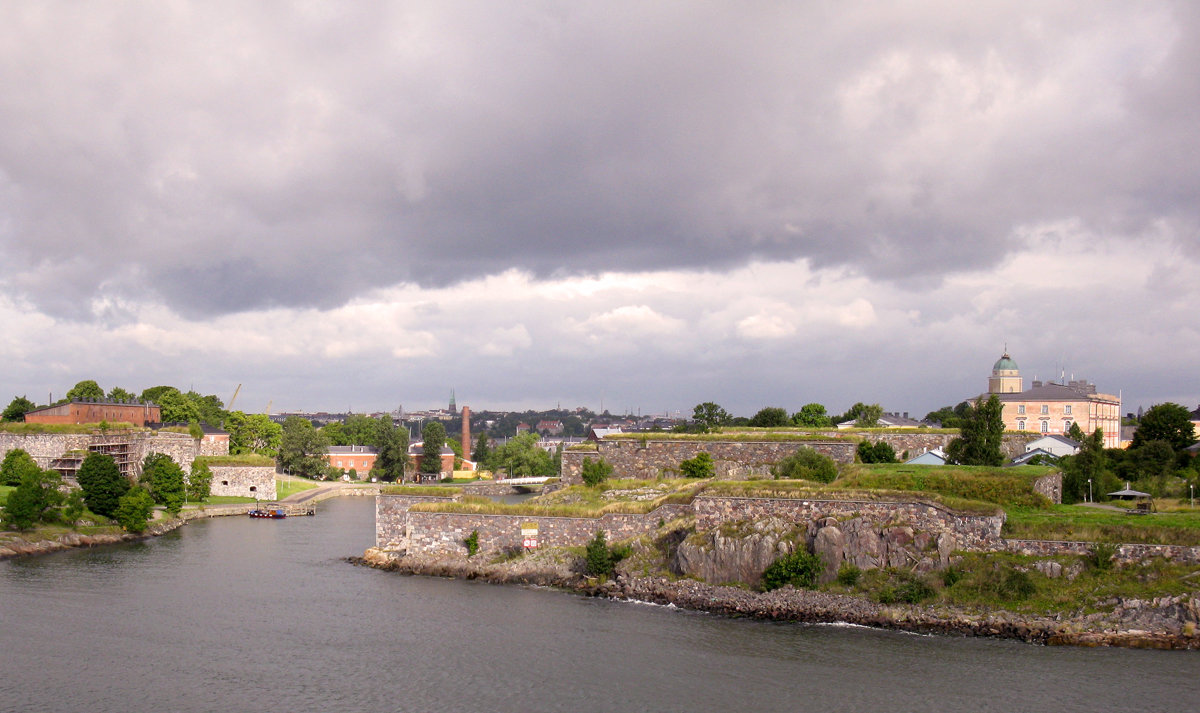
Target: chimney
{"points": [[466, 432]]}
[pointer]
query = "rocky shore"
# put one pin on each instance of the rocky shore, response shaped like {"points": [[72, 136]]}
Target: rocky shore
{"points": [[1165, 623]]}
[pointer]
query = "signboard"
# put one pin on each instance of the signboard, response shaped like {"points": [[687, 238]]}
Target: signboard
{"points": [[529, 535]]}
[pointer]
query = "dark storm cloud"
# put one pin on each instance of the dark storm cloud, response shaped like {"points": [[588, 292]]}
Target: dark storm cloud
{"points": [[225, 156]]}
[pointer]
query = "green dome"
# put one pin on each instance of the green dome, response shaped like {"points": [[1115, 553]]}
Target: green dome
{"points": [[1005, 364]]}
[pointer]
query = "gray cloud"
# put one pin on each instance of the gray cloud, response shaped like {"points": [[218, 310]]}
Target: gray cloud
{"points": [[225, 156]]}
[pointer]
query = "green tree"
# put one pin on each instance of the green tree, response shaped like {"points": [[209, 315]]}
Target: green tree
{"points": [[980, 435], [16, 464], [482, 448], [522, 457], [116, 393], [949, 417], [86, 391], [1089, 463], [253, 433], [878, 452], [73, 507], [709, 416], [770, 417], [811, 416], [392, 459], [598, 558], [362, 430], [799, 569], [1165, 422], [806, 464], [864, 415], [303, 449], [178, 408], [16, 409], [133, 510], [336, 433], [595, 472], [1075, 433], [154, 393], [165, 479], [102, 483], [33, 500], [433, 437], [199, 481], [698, 466]]}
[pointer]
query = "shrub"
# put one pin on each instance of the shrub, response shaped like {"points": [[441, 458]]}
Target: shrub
{"points": [[102, 484], [909, 590], [16, 463], [699, 466], [848, 575], [472, 543], [199, 482], [879, 452], [806, 464], [598, 559], [133, 510], [799, 569], [1101, 556], [951, 576], [595, 472]]}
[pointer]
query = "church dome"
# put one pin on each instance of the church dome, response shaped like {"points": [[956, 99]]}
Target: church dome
{"points": [[1005, 363]]}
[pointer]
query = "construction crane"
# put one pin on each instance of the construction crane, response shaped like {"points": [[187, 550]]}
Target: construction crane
{"points": [[269, 406], [229, 406]]}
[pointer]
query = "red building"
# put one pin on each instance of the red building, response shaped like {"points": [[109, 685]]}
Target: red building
{"points": [[78, 412]]}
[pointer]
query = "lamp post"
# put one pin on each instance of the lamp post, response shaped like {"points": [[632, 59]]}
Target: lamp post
{"points": [[1090, 500], [1192, 494]]}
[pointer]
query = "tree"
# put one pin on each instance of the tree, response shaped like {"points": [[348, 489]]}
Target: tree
{"points": [[133, 510], [433, 437], [770, 417], [806, 464], [698, 466], [16, 464], [154, 393], [598, 558], [799, 569], [1075, 433], [595, 472], [17, 408], [302, 449], [1165, 422], [980, 435], [86, 391], [102, 483], [199, 482], [253, 433], [708, 416], [949, 417], [33, 500], [336, 433], [116, 393], [73, 507], [812, 416], [391, 460], [178, 408], [165, 479], [362, 430], [863, 415], [1089, 463], [878, 452], [522, 457], [482, 448]]}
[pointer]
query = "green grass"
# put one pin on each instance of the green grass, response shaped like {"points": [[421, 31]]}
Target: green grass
{"points": [[1003, 486], [742, 435], [285, 488], [801, 489], [223, 500], [1077, 523], [245, 459], [578, 500], [434, 490]]}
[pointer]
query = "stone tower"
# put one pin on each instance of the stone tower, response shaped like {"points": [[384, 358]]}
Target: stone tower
{"points": [[1006, 377]]}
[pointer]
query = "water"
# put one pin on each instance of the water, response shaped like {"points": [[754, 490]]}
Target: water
{"points": [[238, 614]]}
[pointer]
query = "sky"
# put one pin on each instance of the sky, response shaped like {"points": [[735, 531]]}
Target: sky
{"points": [[628, 206]]}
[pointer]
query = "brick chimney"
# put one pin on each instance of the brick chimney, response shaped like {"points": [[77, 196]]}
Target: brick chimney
{"points": [[466, 432]]}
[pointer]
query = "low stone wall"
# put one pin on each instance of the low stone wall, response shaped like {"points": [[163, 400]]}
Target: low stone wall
{"points": [[1050, 486], [1125, 553], [44, 447], [244, 481], [391, 518], [972, 532]]}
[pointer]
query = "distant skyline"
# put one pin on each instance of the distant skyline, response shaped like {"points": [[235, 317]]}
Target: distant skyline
{"points": [[640, 206]]}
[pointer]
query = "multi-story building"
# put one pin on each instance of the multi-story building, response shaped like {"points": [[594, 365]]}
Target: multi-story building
{"points": [[1051, 408]]}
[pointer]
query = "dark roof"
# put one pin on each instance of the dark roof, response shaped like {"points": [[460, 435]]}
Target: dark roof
{"points": [[1045, 392]]}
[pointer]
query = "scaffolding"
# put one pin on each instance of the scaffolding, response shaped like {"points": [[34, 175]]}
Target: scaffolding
{"points": [[118, 446]]}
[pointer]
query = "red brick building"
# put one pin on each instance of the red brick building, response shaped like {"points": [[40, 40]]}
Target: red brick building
{"points": [[78, 412]]}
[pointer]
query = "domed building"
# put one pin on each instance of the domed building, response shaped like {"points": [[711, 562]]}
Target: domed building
{"points": [[1051, 408]]}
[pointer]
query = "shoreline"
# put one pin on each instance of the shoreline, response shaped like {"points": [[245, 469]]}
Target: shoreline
{"points": [[808, 606]]}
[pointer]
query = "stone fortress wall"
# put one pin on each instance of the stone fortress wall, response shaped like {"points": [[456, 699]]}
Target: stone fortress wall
{"points": [[732, 459], [245, 481], [46, 447]]}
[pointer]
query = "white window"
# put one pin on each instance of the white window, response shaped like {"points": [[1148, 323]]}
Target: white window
{"points": [[1021, 424], [1067, 409], [1021, 409], [1045, 409], [1045, 426]]}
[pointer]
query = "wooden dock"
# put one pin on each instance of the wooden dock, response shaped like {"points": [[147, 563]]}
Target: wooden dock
{"points": [[288, 509]]}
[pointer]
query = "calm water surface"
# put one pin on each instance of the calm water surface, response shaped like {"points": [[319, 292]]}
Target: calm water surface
{"points": [[236, 614]]}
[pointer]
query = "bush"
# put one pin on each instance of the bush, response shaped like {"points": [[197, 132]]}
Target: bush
{"points": [[199, 482], [472, 543], [799, 569], [699, 466], [1101, 556], [16, 463], [879, 452], [951, 576], [134, 509], [595, 472], [102, 484], [598, 558], [806, 464], [909, 590], [848, 575]]}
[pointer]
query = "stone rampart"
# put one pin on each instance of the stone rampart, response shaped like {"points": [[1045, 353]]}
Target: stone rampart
{"points": [[45, 447], [1125, 553], [972, 532], [243, 481]]}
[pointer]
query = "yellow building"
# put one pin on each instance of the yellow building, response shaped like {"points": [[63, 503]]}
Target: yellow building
{"points": [[1049, 407]]}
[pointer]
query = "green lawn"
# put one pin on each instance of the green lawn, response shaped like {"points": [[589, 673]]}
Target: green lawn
{"points": [[285, 488], [224, 500], [1078, 523]]}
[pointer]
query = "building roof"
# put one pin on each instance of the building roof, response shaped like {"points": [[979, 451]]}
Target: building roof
{"points": [[343, 450], [1005, 363], [1030, 455], [1061, 439], [1049, 391]]}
